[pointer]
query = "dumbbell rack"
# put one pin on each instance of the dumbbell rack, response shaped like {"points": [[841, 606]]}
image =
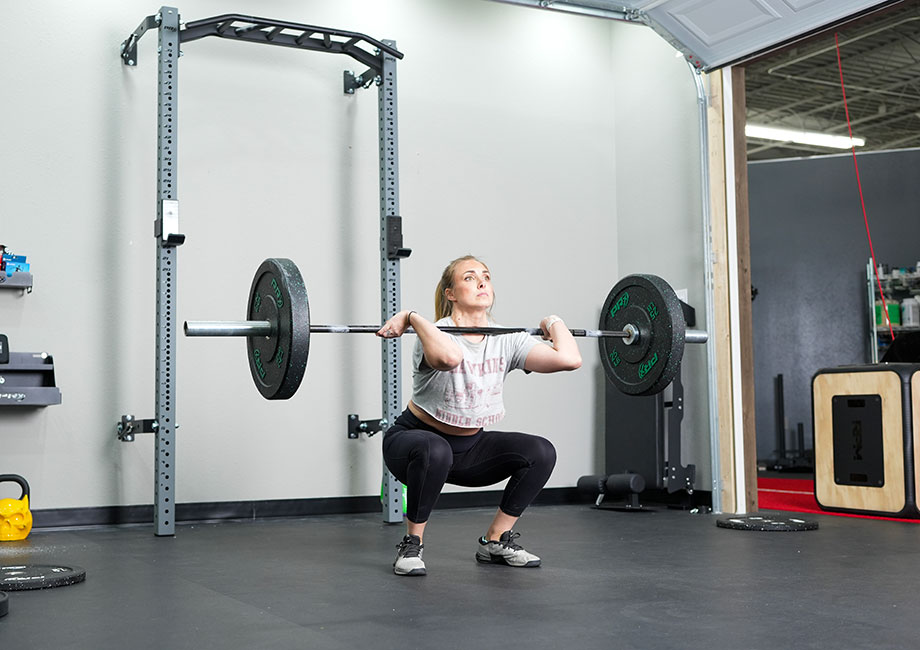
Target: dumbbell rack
{"points": [[380, 57]]}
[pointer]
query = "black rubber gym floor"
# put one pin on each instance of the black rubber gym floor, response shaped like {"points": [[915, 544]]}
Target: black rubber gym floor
{"points": [[666, 579]]}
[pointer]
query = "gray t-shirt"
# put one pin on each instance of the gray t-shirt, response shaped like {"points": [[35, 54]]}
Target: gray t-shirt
{"points": [[470, 395]]}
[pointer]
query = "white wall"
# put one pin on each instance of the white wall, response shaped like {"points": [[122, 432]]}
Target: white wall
{"points": [[659, 210], [511, 147]]}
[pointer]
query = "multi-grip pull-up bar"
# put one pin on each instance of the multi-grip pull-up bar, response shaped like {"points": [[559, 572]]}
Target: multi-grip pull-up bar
{"points": [[380, 57], [360, 47]]}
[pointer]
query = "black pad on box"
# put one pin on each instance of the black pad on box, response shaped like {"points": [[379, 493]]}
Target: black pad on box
{"points": [[858, 451]]}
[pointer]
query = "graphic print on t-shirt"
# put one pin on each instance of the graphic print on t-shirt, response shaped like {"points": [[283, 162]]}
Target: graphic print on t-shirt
{"points": [[469, 395], [474, 386]]}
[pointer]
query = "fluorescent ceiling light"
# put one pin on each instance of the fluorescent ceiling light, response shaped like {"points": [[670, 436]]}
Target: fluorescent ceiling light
{"points": [[802, 137]]}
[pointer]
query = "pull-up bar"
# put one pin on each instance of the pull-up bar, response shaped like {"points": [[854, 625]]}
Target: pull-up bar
{"points": [[268, 31]]}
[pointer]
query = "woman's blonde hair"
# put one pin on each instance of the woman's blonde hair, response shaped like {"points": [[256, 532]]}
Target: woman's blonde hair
{"points": [[442, 306]]}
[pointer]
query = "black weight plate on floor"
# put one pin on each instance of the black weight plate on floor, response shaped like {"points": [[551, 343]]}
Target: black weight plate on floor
{"points": [[278, 362], [4, 603], [649, 364], [39, 576], [766, 523]]}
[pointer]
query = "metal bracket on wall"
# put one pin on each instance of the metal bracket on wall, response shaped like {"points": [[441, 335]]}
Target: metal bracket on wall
{"points": [[357, 426], [129, 45], [363, 80], [128, 427]]}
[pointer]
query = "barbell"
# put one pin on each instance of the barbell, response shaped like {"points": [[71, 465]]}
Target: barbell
{"points": [[641, 333]]}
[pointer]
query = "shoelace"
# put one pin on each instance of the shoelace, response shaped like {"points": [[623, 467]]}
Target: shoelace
{"points": [[509, 543], [409, 549]]}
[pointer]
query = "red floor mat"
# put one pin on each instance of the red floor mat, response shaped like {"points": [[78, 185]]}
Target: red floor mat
{"points": [[795, 494], [798, 495]]}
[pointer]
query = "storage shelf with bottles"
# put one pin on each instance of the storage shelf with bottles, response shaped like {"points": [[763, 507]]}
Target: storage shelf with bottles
{"points": [[901, 288]]}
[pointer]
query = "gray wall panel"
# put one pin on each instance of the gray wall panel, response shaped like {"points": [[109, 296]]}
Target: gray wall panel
{"points": [[808, 258]]}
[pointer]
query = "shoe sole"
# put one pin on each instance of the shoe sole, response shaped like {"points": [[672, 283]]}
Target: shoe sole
{"points": [[498, 559], [413, 572]]}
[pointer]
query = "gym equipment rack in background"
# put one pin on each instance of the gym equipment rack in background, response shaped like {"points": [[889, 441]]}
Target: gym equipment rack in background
{"points": [[380, 57]]}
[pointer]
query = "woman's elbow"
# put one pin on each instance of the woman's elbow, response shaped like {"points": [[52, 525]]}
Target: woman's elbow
{"points": [[571, 363], [447, 360]]}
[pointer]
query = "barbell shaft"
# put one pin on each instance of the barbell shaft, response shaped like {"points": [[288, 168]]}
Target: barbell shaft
{"points": [[264, 328], [691, 336], [533, 331]]}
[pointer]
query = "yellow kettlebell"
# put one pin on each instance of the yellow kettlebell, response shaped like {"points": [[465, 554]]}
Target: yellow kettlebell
{"points": [[15, 517]]}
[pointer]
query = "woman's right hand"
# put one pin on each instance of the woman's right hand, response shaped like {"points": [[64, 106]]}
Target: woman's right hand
{"points": [[441, 351], [396, 326]]}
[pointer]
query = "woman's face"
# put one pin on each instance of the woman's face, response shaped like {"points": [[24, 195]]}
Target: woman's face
{"points": [[472, 286]]}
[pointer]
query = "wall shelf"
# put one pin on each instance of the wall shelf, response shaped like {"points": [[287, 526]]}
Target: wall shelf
{"points": [[28, 380], [19, 280], [898, 329]]}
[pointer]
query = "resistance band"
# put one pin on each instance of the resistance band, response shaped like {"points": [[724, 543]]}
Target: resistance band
{"points": [[862, 201]]}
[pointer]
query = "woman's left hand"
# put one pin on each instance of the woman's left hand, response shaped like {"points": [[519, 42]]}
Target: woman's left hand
{"points": [[547, 323], [563, 354]]}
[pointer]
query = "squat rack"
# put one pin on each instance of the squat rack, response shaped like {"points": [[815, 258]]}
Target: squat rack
{"points": [[380, 57]]}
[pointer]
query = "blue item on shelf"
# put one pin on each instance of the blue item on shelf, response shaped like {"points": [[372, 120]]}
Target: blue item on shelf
{"points": [[12, 268], [13, 263]]}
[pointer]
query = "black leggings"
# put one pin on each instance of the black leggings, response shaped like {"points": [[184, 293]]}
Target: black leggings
{"points": [[425, 459]]}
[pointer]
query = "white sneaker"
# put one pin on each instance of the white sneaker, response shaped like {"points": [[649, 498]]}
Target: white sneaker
{"points": [[409, 557], [505, 551]]}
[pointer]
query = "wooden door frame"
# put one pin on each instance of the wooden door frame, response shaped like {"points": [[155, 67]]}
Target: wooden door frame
{"points": [[731, 331]]}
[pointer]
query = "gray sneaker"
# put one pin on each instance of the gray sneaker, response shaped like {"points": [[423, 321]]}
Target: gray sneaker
{"points": [[409, 557], [505, 551]]}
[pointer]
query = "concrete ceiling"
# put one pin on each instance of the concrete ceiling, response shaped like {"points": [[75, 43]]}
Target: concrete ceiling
{"points": [[799, 87]]}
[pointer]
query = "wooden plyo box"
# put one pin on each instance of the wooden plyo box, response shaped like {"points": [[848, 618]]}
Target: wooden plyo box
{"points": [[867, 456]]}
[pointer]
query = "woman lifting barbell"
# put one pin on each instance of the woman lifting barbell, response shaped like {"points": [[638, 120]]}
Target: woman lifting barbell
{"points": [[441, 437]]}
